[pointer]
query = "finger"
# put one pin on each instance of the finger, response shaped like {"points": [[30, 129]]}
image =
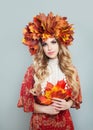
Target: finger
{"points": [[61, 102], [56, 105], [59, 108], [57, 99]]}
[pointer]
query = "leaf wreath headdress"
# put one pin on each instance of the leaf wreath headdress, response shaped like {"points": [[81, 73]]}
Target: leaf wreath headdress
{"points": [[44, 27]]}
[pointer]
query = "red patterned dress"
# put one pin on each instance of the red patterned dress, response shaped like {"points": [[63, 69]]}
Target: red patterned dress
{"points": [[61, 121]]}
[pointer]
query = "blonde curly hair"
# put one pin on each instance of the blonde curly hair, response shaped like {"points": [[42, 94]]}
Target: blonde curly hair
{"points": [[65, 64]]}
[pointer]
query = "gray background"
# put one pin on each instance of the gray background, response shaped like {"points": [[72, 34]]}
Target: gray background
{"points": [[15, 58]]}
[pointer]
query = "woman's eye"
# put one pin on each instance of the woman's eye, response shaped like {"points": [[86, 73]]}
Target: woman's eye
{"points": [[44, 44], [54, 41]]}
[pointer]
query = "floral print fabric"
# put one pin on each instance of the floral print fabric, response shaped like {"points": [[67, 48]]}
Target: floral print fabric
{"points": [[61, 121]]}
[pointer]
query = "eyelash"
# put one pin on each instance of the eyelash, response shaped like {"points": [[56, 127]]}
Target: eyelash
{"points": [[44, 44], [53, 42]]}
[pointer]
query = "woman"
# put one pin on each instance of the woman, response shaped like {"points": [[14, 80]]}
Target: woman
{"points": [[51, 85]]}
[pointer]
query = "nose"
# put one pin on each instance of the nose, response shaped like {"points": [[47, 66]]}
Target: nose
{"points": [[49, 47]]}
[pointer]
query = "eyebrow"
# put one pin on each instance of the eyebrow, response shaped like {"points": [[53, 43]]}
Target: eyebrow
{"points": [[53, 40]]}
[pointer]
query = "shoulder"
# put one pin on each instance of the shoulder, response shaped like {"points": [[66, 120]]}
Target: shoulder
{"points": [[29, 71], [30, 68]]}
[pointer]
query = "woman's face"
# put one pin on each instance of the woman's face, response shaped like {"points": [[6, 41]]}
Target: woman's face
{"points": [[51, 48]]}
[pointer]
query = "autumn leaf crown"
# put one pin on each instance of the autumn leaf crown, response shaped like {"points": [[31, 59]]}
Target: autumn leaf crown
{"points": [[44, 27]]}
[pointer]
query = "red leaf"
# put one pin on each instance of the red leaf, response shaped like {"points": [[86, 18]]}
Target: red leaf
{"points": [[61, 84], [49, 86]]}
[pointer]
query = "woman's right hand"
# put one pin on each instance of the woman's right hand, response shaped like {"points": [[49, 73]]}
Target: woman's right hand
{"points": [[50, 109]]}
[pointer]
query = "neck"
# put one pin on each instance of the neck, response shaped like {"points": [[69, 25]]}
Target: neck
{"points": [[54, 61]]}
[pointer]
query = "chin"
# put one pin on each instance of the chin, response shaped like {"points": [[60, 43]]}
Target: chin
{"points": [[52, 57]]}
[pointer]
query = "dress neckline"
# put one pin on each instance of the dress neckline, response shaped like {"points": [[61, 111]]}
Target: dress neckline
{"points": [[53, 61]]}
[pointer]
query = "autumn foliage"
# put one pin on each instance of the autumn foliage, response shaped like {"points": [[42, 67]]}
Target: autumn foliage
{"points": [[60, 90], [46, 27]]}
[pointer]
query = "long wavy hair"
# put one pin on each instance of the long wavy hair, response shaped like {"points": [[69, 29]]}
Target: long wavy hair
{"points": [[65, 64]]}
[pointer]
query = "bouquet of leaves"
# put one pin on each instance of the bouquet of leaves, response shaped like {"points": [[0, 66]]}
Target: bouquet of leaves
{"points": [[60, 90]]}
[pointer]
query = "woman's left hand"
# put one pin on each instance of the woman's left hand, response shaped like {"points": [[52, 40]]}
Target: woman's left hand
{"points": [[61, 104]]}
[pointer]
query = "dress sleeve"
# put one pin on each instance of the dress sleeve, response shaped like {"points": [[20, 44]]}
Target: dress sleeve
{"points": [[26, 99], [77, 101]]}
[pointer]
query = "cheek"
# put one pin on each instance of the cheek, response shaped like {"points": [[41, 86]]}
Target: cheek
{"points": [[45, 50], [57, 48]]}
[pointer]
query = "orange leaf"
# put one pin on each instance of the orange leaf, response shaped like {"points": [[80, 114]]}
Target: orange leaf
{"points": [[44, 100]]}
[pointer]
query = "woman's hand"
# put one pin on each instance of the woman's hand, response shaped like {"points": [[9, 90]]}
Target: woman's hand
{"points": [[50, 109], [53, 109], [61, 104]]}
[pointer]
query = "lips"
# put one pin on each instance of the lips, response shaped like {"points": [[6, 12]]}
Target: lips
{"points": [[50, 53]]}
